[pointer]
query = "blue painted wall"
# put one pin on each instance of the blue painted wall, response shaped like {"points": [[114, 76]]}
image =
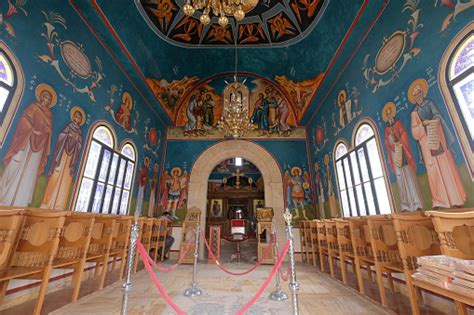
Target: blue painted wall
{"points": [[24, 33]]}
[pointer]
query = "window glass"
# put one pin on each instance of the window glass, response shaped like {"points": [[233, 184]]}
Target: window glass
{"points": [[370, 198], [341, 149], [464, 91], [104, 135], [121, 172], [104, 167], [113, 169], [340, 175], [107, 199], [92, 159], [6, 71], [348, 172], [84, 194], [124, 202], [375, 165], [129, 151], [364, 132], [345, 204], [128, 175], [3, 98], [99, 191], [355, 168], [363, 165], [115, 204], [463, 58], [382, 196]]}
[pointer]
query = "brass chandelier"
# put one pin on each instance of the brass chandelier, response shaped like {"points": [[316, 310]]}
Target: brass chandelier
{"points": [[219, 8]]}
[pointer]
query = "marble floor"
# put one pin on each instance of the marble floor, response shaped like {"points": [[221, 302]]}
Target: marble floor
{"points": [[225, 294]]}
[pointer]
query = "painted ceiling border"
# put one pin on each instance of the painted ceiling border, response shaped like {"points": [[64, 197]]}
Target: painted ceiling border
{"points": [[348, 61], [270, 44], [117, 62]]}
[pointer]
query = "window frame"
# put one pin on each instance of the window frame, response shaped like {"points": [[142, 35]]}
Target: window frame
{"points": [[446, 85], [347, 156], [15, 91], [95, 177]]}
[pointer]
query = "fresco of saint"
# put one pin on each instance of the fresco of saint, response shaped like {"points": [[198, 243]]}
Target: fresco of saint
{"points": [[123, 115], [29, 149], [319, 190], [297, 191], [401, 160], [190, 114], [282, 113], [345, 109], [435, 140], [142, 181], [208, 111], [65, 160], [261, 114], [175, 188], [330, 187], [153, 186]]}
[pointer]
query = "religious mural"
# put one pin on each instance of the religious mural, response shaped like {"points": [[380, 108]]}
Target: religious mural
{"points": [[49, 130], [267, 23], [174, 190], [454, 8], [348, 108], [397, 50], [297, 192], [13, 9]]}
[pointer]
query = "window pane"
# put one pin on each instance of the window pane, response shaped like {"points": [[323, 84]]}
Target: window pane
{"points": [[340, 150], [129, 175], [352, 202], [129, 151], [370, 198], [3, 98], [107, 199], [463, 59], [340, 175], [124, 202], [104, 168], [6, 73], [115, 204], [360, 200], [113, 169], [104, 135], [355, 168], [363, 133], [382, 196], [348, 172], [375, 165], [99, 191], [121, 172], [345, 204], [363, 165], [84, 195], [92, 160], [464, 91]]}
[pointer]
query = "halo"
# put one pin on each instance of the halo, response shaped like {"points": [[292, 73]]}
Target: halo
{"points": [[126, 96], [326, 159], [418, 82], [294, 169], [176, 169], [342, 92], [43, 87], [146, 160], [77, 109], [389, 106]]}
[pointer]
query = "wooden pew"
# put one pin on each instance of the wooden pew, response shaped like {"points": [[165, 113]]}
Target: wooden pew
{"points": [[33, 255], [146, 227], [73, 245], [120, 242], [304, 258], [416, 237], [166, 229], [385, 249], [313, 229], [309, 247], [155, 237], [100, 245], [346, 251], [332, 245], [363, 254], [323, 244], [456, 235]]}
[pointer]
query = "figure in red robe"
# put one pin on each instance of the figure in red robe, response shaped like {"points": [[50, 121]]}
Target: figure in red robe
{"points": [[123, 115], [142, 182]]}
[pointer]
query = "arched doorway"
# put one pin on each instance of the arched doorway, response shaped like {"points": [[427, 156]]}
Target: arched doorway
{"points": [[261, 158]]}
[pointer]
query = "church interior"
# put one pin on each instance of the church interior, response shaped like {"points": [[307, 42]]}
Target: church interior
{"points": [[236, 157]]}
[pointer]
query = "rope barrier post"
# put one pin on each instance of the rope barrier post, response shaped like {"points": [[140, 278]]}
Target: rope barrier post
{"points": [[278, 294], [293, 284], [131, 258], [194, 290]]}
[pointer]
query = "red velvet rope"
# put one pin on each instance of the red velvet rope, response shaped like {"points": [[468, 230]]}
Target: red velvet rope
{"points": [[163, 293], [180, 260], [266, 283], [218, 263], [283, 276]]}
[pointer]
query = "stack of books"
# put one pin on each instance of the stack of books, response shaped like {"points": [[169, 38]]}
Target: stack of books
{"points": [[447, 272]]}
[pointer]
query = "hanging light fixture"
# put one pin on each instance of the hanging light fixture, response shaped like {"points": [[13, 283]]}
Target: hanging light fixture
{"points": [[220, 8]]}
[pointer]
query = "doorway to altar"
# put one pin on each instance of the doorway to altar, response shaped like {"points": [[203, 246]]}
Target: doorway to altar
{"points": [[235, 191]]}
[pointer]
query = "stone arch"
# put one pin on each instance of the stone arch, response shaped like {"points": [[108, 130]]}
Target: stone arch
{"points": [[260, 157]]}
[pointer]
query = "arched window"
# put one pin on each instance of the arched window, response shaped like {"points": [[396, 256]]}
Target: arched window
{"points": [[360, 175], [105, 185], [11, 88], [457, 84]]}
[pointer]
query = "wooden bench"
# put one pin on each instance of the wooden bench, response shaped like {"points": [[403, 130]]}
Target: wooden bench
{"points": [[346, 251], [165, 229], [456, 235], [155, 237], [323, 244], [303, 245], [32, 257], [120, 242], [333, 246], [313, 230], [363, 254]]}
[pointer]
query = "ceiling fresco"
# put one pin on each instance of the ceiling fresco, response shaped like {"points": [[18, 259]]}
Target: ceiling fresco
{"points": [[170, 71], [269, 24]]}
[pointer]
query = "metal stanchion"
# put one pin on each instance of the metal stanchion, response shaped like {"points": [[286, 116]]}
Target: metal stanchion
{"points": [[194, 290], [293, 284], [131, 258], [278, 294]]}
